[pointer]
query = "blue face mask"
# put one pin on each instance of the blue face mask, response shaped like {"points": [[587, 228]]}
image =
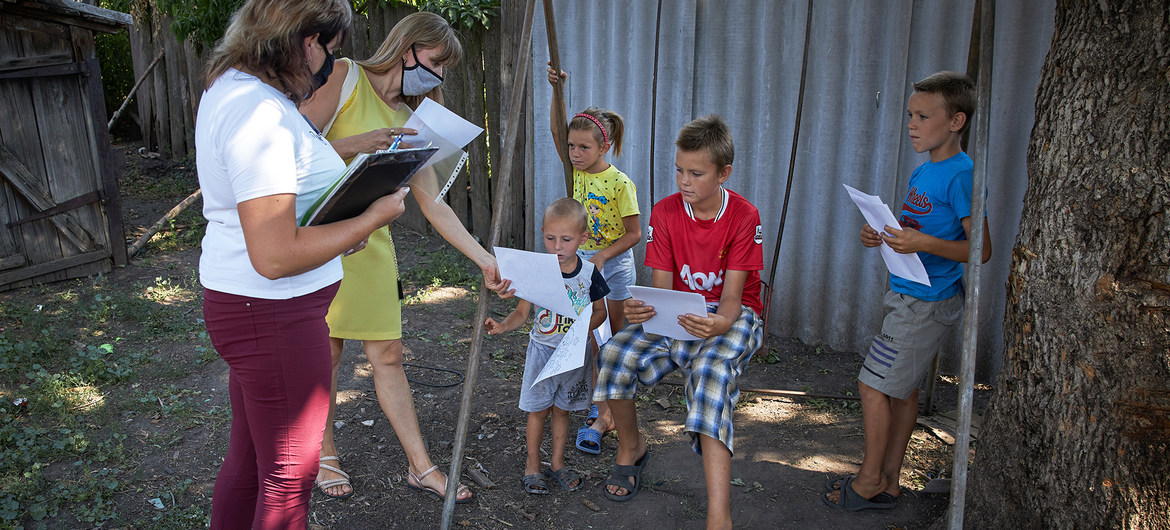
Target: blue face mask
{"points": [[418, 79]]}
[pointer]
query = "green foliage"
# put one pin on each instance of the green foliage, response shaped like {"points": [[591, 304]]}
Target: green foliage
{"points": [[205, 20], [464, 14]]}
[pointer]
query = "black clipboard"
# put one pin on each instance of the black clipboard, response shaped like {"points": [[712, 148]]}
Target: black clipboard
{"points": [[368, 177]]}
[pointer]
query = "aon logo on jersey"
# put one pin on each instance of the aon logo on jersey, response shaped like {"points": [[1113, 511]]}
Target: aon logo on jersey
{"points": [[700, 281]]}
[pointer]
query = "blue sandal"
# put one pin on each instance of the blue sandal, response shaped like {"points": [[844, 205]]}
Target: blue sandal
{"points": [[589, 440]]}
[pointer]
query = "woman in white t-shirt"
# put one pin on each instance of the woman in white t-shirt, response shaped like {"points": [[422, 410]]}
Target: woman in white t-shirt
{"points": [[269, 282]]}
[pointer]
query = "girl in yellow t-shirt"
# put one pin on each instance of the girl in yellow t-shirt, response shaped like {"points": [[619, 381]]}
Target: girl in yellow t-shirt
{"points": [[614, 227]]}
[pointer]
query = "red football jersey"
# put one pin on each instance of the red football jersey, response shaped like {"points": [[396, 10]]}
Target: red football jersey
{"points": [[698, 252]]}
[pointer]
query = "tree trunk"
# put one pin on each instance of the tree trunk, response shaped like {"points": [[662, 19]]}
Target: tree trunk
{"points": [[1077, 432]]}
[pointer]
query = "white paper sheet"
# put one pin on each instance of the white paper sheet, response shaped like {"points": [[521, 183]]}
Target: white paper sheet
{"points": [[536, 276], [668, 306], [570, 353], [878, 215], [439, 127]]}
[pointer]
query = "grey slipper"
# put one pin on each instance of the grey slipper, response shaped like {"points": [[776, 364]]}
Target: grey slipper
{"points": [[535, 484], [850, 501], [566, 476]]}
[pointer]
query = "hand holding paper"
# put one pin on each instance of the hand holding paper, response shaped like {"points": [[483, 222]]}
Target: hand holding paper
{"points": [[878, 215], [668, 307]]}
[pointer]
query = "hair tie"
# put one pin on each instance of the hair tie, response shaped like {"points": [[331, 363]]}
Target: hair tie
{"points": [[604, 136]]}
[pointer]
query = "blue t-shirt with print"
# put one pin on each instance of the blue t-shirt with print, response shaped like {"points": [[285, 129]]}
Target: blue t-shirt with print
{"points": [[938, 200]]}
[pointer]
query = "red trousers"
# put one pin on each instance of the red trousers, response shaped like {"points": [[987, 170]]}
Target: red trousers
{"points": [[280, 369]]}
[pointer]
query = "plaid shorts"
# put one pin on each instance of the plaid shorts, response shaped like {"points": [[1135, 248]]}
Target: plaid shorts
{"points": [[711, 368]]}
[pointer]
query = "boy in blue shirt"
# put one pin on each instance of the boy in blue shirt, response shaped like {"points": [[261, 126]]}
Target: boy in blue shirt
{"points": [[936, 221]]}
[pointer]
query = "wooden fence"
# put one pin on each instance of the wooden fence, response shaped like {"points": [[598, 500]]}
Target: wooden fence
{"points": [[474, 89]]}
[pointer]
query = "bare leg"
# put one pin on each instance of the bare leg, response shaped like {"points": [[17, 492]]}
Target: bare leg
{"points": [[876, 416], [633, 445], [560, 433], [604, 421], [328, 447], [717, 471], [398, 404], [904, 415], [534, 435]]}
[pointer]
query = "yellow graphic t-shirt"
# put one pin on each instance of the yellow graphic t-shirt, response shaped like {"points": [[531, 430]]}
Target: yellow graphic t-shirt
{"points": [[608, 196]]}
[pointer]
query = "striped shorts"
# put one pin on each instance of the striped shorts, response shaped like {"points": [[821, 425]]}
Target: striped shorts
{"points": [[911, 335], [710, 367]]}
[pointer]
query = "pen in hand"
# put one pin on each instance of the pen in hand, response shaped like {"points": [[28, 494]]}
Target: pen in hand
{"points": [[394, 144]]}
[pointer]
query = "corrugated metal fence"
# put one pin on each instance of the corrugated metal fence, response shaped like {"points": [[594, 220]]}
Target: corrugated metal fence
{"points": [[661, 64]]}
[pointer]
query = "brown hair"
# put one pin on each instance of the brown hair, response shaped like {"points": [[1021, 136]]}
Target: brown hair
{"points": [[957, 91], [265, 36], [424, 30], [614, 127], [569, 209], [711, 134]]}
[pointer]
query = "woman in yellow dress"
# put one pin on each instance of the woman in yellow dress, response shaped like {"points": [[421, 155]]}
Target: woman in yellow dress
{"points": [[407, 67]]}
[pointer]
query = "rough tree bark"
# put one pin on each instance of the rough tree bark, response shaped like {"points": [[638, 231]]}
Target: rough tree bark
{"points": [[1077, 433]]}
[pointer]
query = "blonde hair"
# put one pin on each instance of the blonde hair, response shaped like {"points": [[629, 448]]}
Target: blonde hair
{"points": [[957, 91], [711, 134], [422, 30], [265, 36], [614, 127], [569, 209]]}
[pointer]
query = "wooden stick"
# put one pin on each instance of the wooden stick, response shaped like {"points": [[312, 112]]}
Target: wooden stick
{"points": [[511, 124], [560, 121], [137, 84], [137, 246]]}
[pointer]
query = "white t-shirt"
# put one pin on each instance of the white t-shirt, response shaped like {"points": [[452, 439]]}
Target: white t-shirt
{"points": [[250, 142]]}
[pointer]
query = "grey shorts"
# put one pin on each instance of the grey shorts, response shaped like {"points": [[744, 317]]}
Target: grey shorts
{"points": [[568, 391], [912, 331], [618, 272]]}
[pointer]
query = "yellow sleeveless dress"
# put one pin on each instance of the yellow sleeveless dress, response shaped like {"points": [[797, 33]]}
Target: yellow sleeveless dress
{"points": [[367, 306]]}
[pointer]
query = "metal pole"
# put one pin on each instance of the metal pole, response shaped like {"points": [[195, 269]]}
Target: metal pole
{"points": [[510, 127], [974, 266], [559, 120], [791, 166]]}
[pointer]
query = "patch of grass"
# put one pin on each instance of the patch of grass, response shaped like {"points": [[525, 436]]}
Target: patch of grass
{"points": [[443, 268]]}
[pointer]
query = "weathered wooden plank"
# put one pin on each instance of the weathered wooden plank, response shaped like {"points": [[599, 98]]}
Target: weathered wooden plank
{"points": [[19, 22], [47, 269], [175, 83], [48, 59], [142, 54], [159, 116], [40, 241], [11, 261], [107, 162], [68, 157], [190, 90]]}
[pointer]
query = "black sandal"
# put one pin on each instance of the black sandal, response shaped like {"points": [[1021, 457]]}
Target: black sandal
{"points": [[535, 484], [620, 477], [565, 476]]}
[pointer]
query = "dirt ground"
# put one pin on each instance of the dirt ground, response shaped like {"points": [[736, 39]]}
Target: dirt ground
{"points": [[785, 447]]}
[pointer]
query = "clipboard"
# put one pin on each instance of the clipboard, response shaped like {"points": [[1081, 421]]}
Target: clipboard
{"points": [[367, 178]]}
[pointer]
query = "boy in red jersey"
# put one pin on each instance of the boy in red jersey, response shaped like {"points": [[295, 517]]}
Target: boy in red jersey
{"points": [[703, 239]]}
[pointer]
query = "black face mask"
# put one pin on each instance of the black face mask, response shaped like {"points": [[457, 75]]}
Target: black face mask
{"points": [[326, 70]]}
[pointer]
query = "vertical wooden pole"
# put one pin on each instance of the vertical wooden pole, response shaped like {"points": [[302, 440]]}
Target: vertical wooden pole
{"points": [[512, 123], [560, 123]]}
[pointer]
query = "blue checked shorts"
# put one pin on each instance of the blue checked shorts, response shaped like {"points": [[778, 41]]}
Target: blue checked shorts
{"points": [[710, 367]]}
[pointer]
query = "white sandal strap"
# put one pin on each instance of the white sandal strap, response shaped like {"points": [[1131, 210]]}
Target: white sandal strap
{"points": [[326, 484], [328, 459], [328, 467], [419, 477]]}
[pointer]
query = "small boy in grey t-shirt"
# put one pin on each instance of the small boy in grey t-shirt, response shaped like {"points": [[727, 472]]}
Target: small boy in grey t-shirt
{"points": [[564, 229]]}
